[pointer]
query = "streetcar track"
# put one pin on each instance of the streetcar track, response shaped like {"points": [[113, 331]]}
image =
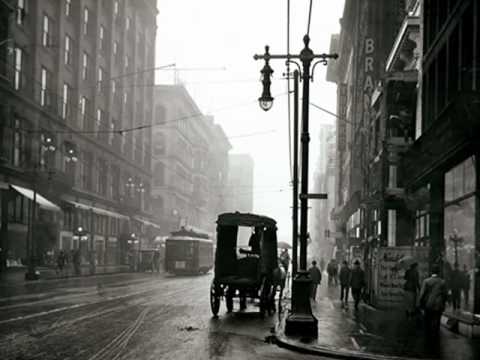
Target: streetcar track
{"points": [[116, 346], [60, 297], [76, 306]]}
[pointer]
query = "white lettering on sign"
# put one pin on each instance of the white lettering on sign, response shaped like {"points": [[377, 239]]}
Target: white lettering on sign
{"points": [[368, 83], [369, 46], [389, 274], [368, 66]]}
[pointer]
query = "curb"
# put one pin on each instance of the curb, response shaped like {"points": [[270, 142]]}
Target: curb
{"points": [[58, 278], [283, 341]]}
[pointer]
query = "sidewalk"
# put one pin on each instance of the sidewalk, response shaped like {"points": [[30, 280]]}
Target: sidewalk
{"points": [[16, 275], [372, 334]]}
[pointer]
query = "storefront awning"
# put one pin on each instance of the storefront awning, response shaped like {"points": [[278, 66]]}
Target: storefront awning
{"points": [[146, 222], [98, 210], [40, 200]]}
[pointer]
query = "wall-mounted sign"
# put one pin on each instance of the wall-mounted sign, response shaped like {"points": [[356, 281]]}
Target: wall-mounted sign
{"points": [[389, 275]]}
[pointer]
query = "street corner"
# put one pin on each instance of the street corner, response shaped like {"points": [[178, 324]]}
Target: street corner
{"points": [[310, 345]]}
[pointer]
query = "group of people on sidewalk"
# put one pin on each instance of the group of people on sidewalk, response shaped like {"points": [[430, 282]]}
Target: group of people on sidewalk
{"points": [[428, 298], [63, 259], [353, 279]]}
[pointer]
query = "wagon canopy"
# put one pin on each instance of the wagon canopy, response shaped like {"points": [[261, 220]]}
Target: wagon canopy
{"points": [[245, 219], [227, 232]]}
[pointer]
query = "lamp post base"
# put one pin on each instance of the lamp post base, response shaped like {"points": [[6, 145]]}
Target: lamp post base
{"points": [[301, 321]]}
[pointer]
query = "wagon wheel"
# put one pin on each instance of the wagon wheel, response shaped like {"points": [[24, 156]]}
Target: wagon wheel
{"points": [[214, 299]]}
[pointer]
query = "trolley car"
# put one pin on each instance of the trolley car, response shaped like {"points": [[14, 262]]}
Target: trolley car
{"points": [[188, 252]]}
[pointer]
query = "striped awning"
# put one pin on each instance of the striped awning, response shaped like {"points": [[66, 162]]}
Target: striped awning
{"points": [[99, 211], [39, 199], [146, 222]]}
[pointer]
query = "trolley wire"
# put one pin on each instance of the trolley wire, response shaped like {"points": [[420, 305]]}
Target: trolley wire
{"points": [[309, 17]]}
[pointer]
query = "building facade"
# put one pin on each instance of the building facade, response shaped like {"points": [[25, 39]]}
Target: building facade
{"points": [[367, 32], [442, 164], [74, 86], [190, 163], [420, 175], [239, 196]]}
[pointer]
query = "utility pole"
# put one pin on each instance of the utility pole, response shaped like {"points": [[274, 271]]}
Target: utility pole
{"points": [[295, 176], [301, 320]]}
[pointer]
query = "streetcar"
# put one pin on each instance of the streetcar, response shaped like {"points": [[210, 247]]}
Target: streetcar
{"points": [[188, 252]]}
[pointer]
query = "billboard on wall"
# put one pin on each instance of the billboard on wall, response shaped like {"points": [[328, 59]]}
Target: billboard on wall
{"points": [[388, 278]]}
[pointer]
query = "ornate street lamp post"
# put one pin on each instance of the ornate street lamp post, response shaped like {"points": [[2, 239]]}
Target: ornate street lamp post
{"points": [[457, 241], [47, 146], [301, 320]]}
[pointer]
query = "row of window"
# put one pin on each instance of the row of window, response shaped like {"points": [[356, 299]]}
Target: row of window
{"points": [[22, 10], [103, 225], [454, 68], [92, 176]]}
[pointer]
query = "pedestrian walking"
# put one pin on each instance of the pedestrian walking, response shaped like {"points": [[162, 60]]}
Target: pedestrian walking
{"points": [[332, 272], [433, 297], [61, 258], [466, 285], [316, 277], [344, 283], [335, 272], [156, 260], [285, 259], [456, 284], [411, 288], [357, 282], [76, 261], [322, 264]]}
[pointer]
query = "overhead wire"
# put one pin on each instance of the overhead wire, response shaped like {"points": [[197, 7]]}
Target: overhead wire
{"points": [[309, 17], [289, 96], [89, 116]]}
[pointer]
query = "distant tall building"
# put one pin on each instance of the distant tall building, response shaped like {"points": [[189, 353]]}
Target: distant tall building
{"points": [[190, 156], [323, 182], [239, 196], [74, 84]]}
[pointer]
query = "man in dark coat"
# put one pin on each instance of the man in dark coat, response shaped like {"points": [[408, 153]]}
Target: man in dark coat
{"points": [[432, 300], [344, 283], [411, 287], [466, 284], [316, 277], [357, 282], [456, 284]]}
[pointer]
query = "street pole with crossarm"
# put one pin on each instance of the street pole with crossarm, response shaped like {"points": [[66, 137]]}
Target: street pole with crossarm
{"points": [[301, 320]]}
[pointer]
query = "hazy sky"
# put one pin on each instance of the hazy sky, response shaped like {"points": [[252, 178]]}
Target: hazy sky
{"points": [[203, 34]]}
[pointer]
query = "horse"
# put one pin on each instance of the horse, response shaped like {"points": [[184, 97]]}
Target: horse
{"points": [[278, 281]]}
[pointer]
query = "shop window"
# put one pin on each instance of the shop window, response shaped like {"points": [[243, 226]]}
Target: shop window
{"points": [[459, 225]]}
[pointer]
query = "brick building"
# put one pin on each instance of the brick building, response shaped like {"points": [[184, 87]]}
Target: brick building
{"points": [[368, 29], [442, 164], [73, 80], [190, 163]]}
